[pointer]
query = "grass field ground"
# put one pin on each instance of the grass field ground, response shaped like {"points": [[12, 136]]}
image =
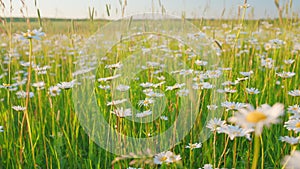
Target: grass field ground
{"points": [[257, 64]]}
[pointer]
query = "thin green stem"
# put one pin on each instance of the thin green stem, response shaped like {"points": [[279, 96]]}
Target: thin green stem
{"points": [[256, 151], [214, 148], [26, 117]]}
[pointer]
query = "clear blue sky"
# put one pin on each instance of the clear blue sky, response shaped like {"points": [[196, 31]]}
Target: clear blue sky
{"points": [[192, 8]]}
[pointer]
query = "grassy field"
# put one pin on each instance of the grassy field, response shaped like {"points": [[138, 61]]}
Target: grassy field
{"points": [[48, 78]]}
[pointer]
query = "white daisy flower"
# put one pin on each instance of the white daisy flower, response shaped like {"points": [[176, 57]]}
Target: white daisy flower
{"points": [[39, 85], [294, 93], [286, 74], [252, 90], [194, 145], [295, 109], [34, 34], [116, 102], [19, 108], [165, 118], [215, 123], [54, 90], [208, 166], [23, 94], [212, 107], [166, 157], [235, 131], [182, 92], [233, 105], [293, 124], [289, 61], [144, 114], [123, 88], [147, 102], [258, 118], [1, 129], [121, 112], [66, 85], [247, 74], [104, 79], [290, 140], [176, 86], [114, 66]]}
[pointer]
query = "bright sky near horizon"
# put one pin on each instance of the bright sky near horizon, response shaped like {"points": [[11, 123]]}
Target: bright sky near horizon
{"points": [[192, 8]]}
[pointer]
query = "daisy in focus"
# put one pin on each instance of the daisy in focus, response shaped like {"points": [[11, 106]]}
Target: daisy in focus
{"points": [[34, 34], [166, 157], [258, 118]]}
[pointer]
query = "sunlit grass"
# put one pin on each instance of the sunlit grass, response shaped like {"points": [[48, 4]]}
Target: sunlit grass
{"points": [[48, 133]]}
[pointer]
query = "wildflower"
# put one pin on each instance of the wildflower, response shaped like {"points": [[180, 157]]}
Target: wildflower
{"points": [[208, 166], [233, 105], [144, 113], [133, 168], [121, 112], [194, 145], [226, 90], [289, 61], [166, 157], [268, 63], [295, 109], [104, 79], [54, 90], [262, 116], [293, 124], [123, 88], [66, 85], [114, 66], [146, 102], [294, 93], [202, 85], [165, 118], [146, 85], [252, 91], [159, 84], [116, 102], [176, 86], [19, 108], [247, 74], [286, 74], [201, 63], [183, 92], [34, 34], [215, 123], [292, 161], [229, 83], [23, 94], [235, 131], [106, 87], [39, 85], [212, 107], [161, 78], [1, 129], [213, 73], [290, 140], [245, 6]]}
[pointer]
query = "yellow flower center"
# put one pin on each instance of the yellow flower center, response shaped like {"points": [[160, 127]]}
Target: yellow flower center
{"points": [[298, 125], [164, 158], [255, 117]]}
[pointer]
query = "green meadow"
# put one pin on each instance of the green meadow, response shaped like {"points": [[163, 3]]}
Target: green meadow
{"points": [[57, 82]]}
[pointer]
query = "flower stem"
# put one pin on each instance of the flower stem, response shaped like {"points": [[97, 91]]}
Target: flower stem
{"points": [[256, 152], [25, 117], [214, 147]]}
